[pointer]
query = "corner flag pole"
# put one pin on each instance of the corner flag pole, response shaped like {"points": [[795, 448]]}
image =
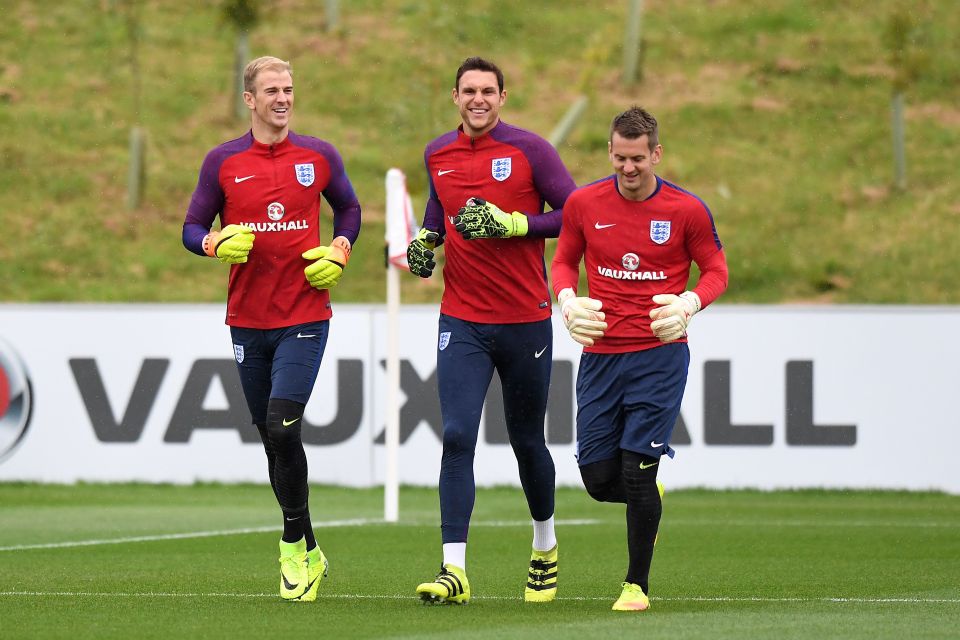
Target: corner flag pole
{"points": [[399, 233], [391, 482]]}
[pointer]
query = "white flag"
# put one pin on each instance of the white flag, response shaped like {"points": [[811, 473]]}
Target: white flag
{"points": [[401, 226]]}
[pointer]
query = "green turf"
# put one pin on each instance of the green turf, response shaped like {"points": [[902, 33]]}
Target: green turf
{"points": [[728, 565]]}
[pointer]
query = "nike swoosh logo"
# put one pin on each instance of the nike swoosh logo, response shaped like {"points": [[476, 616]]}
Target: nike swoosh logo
{"points": [[539, 353], [603, 226], [306, 335], [287, 423], [286, 583], [647, 466], [655, 444], [441, 172], [238, 179]]}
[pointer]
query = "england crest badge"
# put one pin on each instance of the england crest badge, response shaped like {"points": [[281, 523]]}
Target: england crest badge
{"points": [[500, 168], [305, 175], [238, 352], [444, 340], [659, 231]]}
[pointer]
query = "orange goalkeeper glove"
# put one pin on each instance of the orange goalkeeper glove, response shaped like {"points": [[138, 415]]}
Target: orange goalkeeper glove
{"points": [[329, 263], [230, 245]]}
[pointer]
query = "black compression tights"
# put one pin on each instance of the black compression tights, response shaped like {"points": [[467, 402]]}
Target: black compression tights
{"points": [[630, 478], [287, 467]]}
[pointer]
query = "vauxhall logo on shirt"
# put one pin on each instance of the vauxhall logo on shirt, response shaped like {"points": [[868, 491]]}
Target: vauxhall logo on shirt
{"points": [[631, 264], [275, 212]]}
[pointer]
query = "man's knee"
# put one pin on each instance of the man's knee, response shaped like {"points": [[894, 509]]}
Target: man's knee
{"points": [[283, 422], [603, 480]]}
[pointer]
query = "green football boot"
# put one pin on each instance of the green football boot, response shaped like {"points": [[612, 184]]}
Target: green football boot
{"points": [[293, 569], [317, 568], [632, 599], [449, 587], [542, 577]]}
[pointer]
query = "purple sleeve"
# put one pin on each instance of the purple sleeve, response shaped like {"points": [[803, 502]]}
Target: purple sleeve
{"points": [[433, 215], [554, 183], [206, 203], [343, 200], [550, 177]]}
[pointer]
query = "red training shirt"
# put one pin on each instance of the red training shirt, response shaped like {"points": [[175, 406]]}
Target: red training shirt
{"points": [[496, 280], [633, 251], [274, 189]]}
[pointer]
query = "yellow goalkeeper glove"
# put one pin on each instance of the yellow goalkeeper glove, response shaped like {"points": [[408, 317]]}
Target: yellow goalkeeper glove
{"points": [[420, 253], [328, 265], [582, 317], [672, 317], [482, 219], [230, 245]]}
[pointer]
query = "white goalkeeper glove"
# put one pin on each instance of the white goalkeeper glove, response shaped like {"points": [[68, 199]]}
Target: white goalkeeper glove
{"points": [[672, 317], [582, 317]]}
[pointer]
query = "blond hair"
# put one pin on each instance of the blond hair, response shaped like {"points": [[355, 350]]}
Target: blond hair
{"points": [[254, 67]]}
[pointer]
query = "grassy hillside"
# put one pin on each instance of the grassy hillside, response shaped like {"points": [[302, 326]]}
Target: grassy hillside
{"points": [[777, 114]]}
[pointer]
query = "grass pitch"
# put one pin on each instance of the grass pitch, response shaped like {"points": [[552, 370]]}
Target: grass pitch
{"points": [[146, 561]]}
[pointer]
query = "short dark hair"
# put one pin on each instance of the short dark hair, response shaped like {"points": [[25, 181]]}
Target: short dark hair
{"points": [[636, 122], [478, 64]]}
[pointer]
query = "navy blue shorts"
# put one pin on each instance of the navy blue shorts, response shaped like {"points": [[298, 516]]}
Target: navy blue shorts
{"points": [[278, 363], [629, 401]]}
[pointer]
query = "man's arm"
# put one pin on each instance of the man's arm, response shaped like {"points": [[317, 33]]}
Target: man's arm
{"points": [[714, 277], [342, 198], [551, 180], [205, 204], [555, 184], [565, 267], [703, 243], [582, 317], [672, 317], [420, 251]]}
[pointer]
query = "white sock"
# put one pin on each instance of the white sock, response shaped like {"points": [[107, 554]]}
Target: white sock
{"points": [[455, 553], [544, 537]]}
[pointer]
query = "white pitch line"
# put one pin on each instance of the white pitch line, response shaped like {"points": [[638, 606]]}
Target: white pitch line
{"points": [[356, 596], [265, 529], [183, 536]]}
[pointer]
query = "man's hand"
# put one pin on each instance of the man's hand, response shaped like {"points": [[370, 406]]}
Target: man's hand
{"points": [[582, 317], [230, 245], [482, 219], [420, 253], [329, 261], [672, 317]]}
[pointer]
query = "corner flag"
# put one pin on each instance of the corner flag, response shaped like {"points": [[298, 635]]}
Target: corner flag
{"points": [[401, 226]]}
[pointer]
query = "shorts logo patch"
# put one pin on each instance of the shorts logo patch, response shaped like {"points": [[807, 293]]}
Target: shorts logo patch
{"points": [[305, 174], [444, 340], [659, 231], [238, 353], [500, 168]]}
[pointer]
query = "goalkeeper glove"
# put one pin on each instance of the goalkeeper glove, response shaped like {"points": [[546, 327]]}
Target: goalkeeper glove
{"points": [[482, 219], [671, 319], [420, 253], [230, 245], [582, 317], [329, 262]]}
